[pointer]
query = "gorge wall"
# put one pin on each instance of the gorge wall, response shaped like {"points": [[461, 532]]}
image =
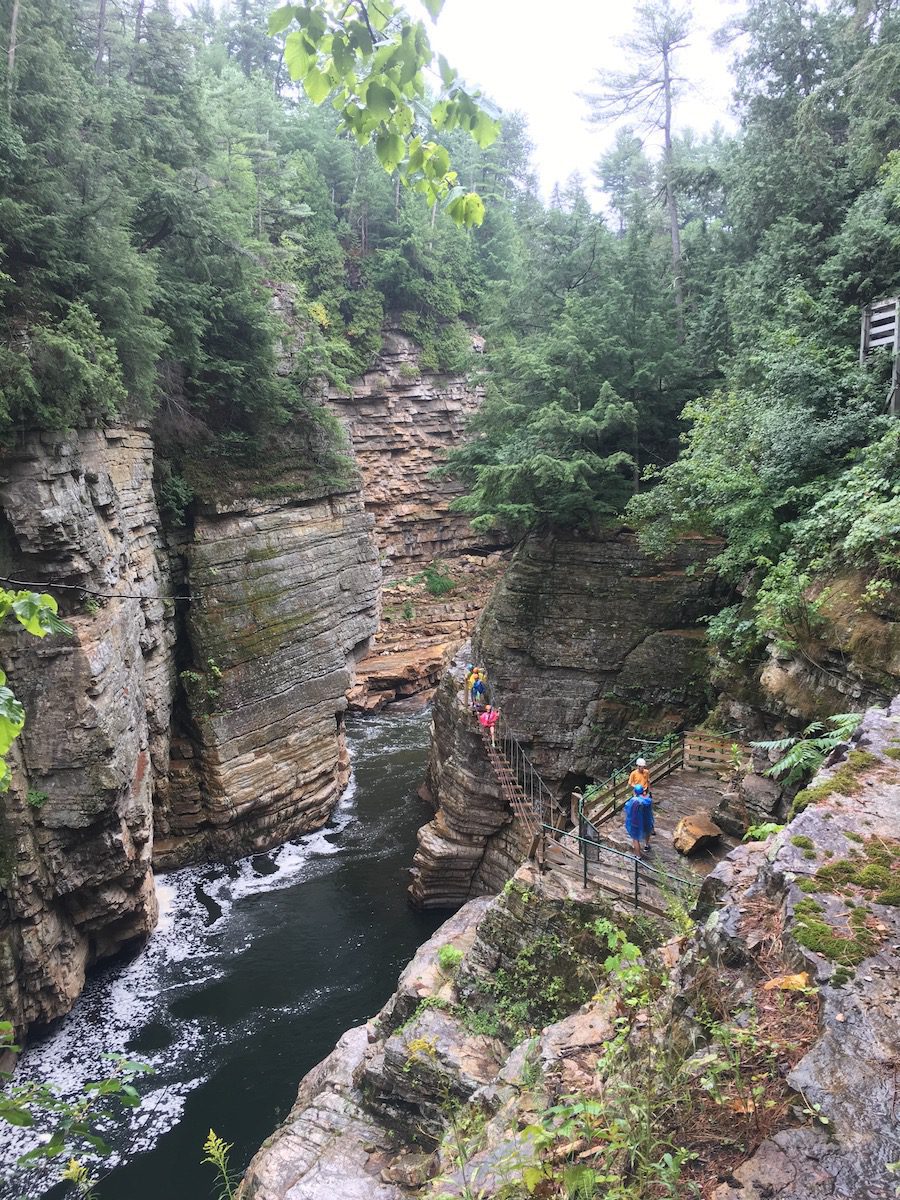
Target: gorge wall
{"points": [[76, 837], [401, 419], [283, 599], [589, 645], [196, 710]]}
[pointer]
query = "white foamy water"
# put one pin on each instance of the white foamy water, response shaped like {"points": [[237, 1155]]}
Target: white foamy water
{"points": [[183, 954], [212, 983]]}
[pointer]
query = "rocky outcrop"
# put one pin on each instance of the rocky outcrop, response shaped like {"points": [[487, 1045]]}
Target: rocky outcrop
{"points": [[283, 599], [367, 1119], [588, 644], [401, 419], [787, 981], [76, 826], [832, 882], [163, 730], [845, 657]]}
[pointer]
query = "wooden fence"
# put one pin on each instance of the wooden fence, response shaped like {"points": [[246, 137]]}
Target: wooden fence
{"points": [[696, 750]]}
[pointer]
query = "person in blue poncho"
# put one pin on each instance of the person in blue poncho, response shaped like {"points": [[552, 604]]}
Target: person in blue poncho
{"points": [[639, 823]]}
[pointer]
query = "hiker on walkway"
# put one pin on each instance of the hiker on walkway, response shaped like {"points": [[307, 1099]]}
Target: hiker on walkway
{"points": [[489, 719], [470, 679], [639, 820], [640, 775], [478, 689]]}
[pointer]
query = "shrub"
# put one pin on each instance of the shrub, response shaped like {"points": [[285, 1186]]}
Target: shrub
{"points": [[449, 957]]}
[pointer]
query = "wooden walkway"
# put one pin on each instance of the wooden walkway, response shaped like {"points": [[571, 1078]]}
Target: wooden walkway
{"points": [[680, 794], [606, 854]]}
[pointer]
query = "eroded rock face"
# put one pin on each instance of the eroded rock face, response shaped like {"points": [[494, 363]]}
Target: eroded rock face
{"points": [[284, 600], [847, 937], [250, 664], [587, 643], [836, 1046], [402, 419], [76, 826], [849, 661]]}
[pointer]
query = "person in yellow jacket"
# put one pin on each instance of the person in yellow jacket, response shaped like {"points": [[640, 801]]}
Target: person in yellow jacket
{"points": [[640, 776]]}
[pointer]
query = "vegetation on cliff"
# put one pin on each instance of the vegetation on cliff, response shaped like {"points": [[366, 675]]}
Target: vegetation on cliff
{"points": [[186, 237], [744, 343]]}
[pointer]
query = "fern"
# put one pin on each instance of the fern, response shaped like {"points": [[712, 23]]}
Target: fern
{"points": [[802, 756]]}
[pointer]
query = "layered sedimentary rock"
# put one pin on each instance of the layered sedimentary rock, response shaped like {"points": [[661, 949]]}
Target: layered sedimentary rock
{"points": [[844, 657], [242, 641], [589, 646], [443, 1091], [402, 419], [76, 826], [284, 598]]}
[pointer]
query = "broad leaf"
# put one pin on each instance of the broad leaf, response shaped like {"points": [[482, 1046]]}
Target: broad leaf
{"points": [[390, 149], [380, 101], [280, 19], [316, 85]]}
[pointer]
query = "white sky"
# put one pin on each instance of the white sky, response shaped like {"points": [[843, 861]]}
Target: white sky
{"points": [[536, 57]]}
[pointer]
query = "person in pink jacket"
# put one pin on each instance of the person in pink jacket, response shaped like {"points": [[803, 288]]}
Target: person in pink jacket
{"points": [[489, 719]]}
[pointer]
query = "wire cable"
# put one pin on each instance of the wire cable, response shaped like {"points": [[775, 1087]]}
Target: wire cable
{"points": [[85, 591]]}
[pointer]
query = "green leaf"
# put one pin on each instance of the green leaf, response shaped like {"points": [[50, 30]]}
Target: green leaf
{"points": [[448, 75], [434, 8], [390, 149], [12, 1114], [344, 58], [485, 130], [380, 101], [280, 19], [297, 55], [12, 719], [316, 85], [35, 612], [467, 210]]}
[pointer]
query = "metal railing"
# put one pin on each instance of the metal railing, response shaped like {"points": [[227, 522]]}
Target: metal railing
{"points": [[693, 748], [605, 800], [625, 875], [616, 871]]}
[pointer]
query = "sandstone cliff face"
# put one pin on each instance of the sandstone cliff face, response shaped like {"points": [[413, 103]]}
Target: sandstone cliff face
{"points": [[249, 665], [401, 420], [849, 660], [76, 827], [284, 597], [587, 644], [720, 1003]]}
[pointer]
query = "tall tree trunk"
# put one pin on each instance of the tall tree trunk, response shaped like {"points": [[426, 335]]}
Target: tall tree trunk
{"points": [[101, 34], [671, 202], [139, 22], [11, 56]]}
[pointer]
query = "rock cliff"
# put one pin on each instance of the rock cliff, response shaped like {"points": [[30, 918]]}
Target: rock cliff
{"points": [[163, 730], [76, 826], [527, 1049], [283, 599], [402, 419], [589, 645], [845, 658]]}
